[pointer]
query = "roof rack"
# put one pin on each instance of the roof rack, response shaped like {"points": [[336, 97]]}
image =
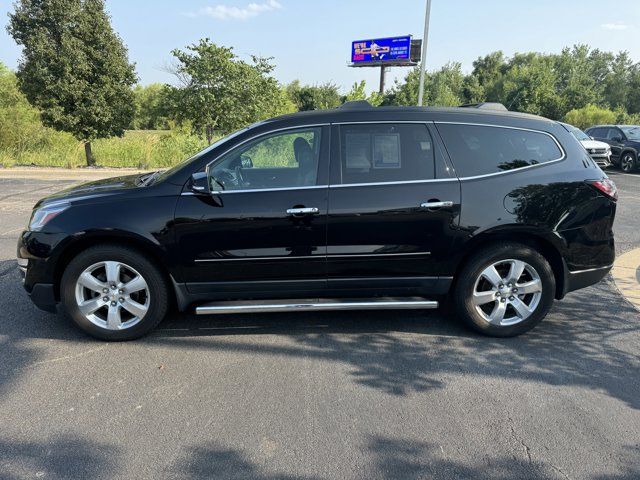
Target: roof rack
{"points": [[486, 106], [355, 105]]}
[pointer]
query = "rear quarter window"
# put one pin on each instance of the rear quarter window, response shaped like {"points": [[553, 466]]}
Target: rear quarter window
{"points": [[482, 150]]}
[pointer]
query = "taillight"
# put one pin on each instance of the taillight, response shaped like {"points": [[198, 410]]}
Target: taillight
{"points": [[606, 187]]}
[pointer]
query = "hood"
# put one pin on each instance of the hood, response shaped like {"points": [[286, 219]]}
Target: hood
{"points": [[593, 144], [94, 189]]}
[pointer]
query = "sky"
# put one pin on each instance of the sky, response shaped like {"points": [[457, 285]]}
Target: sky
{"points": [[310, 40]]}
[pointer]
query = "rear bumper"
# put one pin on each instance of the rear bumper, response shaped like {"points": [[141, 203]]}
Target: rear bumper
{"points": [[584, 278]]}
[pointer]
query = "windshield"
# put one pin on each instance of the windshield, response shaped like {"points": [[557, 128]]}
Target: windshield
{"points": [[632, 133], [216, 144], [579, 134]]}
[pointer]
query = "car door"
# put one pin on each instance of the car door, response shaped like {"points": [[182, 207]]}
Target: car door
{"points": [[616, 139], [262, 228], [390, 219]]}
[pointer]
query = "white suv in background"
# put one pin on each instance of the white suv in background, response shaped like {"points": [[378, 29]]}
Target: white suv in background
{"points": [[599, 151]]}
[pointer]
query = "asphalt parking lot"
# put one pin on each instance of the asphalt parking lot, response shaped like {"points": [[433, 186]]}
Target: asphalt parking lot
{"points": [[397, 395]]}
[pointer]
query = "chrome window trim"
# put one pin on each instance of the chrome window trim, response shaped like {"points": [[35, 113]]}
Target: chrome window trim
{"points": [[401, 182], [474, 177], [257, 190]]}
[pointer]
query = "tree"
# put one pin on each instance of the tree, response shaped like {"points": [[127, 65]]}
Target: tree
{"points": [[442, 88], [314, 97], [616, 88], [74, 67], [152, 107], [590, 115], [221, 92], [358, 92]]}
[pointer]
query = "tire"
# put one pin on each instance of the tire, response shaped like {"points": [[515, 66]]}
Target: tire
{"points": [[136, 305], [480, 304], [628, 162]]}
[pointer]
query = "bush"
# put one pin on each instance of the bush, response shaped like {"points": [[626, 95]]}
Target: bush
{"points": [[590, 115]]}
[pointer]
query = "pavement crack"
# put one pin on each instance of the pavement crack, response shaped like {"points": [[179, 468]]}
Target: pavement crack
{"points": [[560, 471], [515, 436]]}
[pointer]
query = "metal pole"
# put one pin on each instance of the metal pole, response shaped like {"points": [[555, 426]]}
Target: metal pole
{"points": [[382, 73], [423, 60]]}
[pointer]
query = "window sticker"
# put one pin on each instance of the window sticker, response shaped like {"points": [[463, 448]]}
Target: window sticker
{"points": [[386, 150]]}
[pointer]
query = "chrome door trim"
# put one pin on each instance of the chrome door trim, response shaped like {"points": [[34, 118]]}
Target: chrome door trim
{"points": [[262, 307], [302, 257]]}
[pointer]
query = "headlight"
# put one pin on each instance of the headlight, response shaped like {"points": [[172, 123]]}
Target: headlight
{"points": [[44, 215]]}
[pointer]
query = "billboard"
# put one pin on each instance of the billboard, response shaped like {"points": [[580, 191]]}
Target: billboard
{"points": [[380, 51]]}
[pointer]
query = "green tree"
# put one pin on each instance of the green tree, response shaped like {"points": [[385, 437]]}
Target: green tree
{"points": [[74, 67], [314, 97], [616, 89], [590, 115], [221, 92], [359, 92], [442, 88], [152, 112], [529, 85]]}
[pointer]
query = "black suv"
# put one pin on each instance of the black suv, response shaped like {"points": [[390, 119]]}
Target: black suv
{"points": [[624, 141], [353, 208]]}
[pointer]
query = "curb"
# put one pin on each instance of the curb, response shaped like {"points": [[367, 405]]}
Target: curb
{"points": [[626, 273], [43, 173]]}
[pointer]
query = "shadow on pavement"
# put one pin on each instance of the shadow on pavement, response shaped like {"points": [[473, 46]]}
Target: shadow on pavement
{"points": [[66, 456], [590, 340], [390, 458], [581, 343]]}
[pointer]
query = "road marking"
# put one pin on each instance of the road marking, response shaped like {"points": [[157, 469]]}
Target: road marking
{"points": [[626, 273]]}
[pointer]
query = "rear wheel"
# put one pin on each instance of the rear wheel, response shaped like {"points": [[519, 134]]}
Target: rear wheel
{"points": [[628, 162], [505, 290], [114, 293]]}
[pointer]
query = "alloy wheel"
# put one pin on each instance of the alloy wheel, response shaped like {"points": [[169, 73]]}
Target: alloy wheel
{"points": [[507, 292], [626, 163], [112, 295]]}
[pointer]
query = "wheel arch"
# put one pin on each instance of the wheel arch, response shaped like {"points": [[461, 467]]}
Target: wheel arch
{"points": [[531, 239], [84, 242]]}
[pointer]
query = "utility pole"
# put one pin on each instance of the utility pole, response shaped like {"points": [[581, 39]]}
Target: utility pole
{"points": [[423, 61]]}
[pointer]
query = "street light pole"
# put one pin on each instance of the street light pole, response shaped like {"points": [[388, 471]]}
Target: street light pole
{"points": [[423, 61]]}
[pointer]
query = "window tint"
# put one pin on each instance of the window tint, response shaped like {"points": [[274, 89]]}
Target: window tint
{"points": [[613, 133], [386, 153], [598, 132], [479, 150], [282, 160]]}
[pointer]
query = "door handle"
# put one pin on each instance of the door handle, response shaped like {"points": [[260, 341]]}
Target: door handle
{"points": [[303, 211], [436, 204]]}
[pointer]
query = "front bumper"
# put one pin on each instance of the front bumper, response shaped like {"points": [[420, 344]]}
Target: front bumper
{"points": [[33, 256], [602, 160]]}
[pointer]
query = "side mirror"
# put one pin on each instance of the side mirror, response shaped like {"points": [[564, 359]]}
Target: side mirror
{"points": [[199, 183], [617, 139]]}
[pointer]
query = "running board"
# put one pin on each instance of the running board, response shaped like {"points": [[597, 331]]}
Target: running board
{"points": [[298, 305]]}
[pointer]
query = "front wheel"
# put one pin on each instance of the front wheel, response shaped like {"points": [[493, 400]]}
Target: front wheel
{"points": [[114, 293], [628, 162], [505, 290]]}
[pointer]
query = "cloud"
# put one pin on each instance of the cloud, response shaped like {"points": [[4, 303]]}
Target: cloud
{"points": [[614, 26], [229, 12]]}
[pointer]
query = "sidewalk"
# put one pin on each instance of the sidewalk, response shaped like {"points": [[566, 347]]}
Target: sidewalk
{"points": [[626, 273]]}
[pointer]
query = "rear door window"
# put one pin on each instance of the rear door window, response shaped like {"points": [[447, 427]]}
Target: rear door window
{"points": [[481, 150], [377, 153]]}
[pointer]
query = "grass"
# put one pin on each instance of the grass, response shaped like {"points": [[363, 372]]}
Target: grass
{"points": [[138, 148]]}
